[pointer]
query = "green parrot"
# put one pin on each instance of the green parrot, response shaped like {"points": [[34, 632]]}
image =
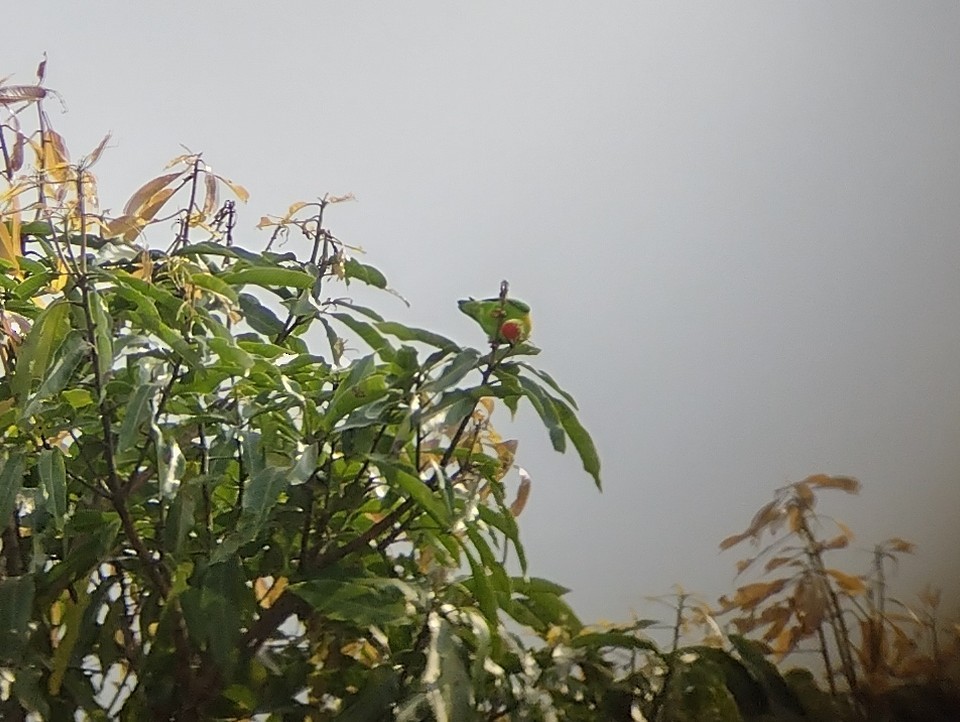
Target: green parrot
{"points": [[511, 316]]}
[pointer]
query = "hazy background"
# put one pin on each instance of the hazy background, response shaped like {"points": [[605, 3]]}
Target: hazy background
{"points": [[738, 225]]}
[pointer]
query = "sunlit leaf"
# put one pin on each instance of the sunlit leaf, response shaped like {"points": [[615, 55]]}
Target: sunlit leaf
{"points": [[147, 191], [848, 582], [751, 595]]}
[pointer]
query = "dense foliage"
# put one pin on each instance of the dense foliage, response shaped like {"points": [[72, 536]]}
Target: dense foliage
{"points": [[228, 491]]}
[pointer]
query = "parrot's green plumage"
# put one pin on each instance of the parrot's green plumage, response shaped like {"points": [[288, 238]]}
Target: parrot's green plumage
{"points": [[510, 316]]}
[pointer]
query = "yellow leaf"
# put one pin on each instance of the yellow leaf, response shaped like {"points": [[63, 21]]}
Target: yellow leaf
{"points": [[238, 190], [733, 540], [752, 594], [267, 590], [126, 227], [10, 241], [155, 203], [144, 269], [897, 544], [147, 191], [294, 207], [60, 281], [845, 483], [362, 651], [97, 152], [848, 582]]}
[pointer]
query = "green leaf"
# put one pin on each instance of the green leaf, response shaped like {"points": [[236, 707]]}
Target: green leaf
{"points": [[16, 610], [355, 270], [214, 284], [137, 412], [259, 317], [182, 515], [549, 381], [581, 441], [362, 386], [546, 408], [11, 479], [102, 334], [28, 287], [210, 248], [369, 334], [446, 670], [361, 602], [47, 333], [480, 584], [376, 697], [262, 493], [72, 351], [413, 487], [268, 277], [410, 333], [506, 523], [53, 481], [230, 353], [462, 364], [766, 673]]}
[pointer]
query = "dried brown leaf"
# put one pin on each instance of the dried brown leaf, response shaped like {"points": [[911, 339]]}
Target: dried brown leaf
{"points": [[751, 595], [341, 199], [12, 94], [795, 518], [733, 540], [810, 603], [211, 195], [147, 191], [786, 641], [523, 493], [97, 152], [848, 582], [125, 226], [838, 542], [777, 619], [156, 202], [804, 494], [845, 483], [777, 562], [931, 596], [896, 544], [187, 159], [42, 69], [16, 152], [57, 146]]}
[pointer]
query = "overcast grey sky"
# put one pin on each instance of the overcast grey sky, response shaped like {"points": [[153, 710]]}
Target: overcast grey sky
{"points": [[738, 225]]}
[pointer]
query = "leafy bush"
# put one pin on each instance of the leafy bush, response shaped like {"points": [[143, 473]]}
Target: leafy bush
{"points": [[205, 518]]}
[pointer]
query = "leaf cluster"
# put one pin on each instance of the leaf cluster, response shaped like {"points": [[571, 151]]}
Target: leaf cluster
{"points": [[204, 516]]}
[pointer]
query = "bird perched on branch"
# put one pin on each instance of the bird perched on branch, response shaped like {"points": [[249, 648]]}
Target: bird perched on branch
{"points": [[505, 320]]}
